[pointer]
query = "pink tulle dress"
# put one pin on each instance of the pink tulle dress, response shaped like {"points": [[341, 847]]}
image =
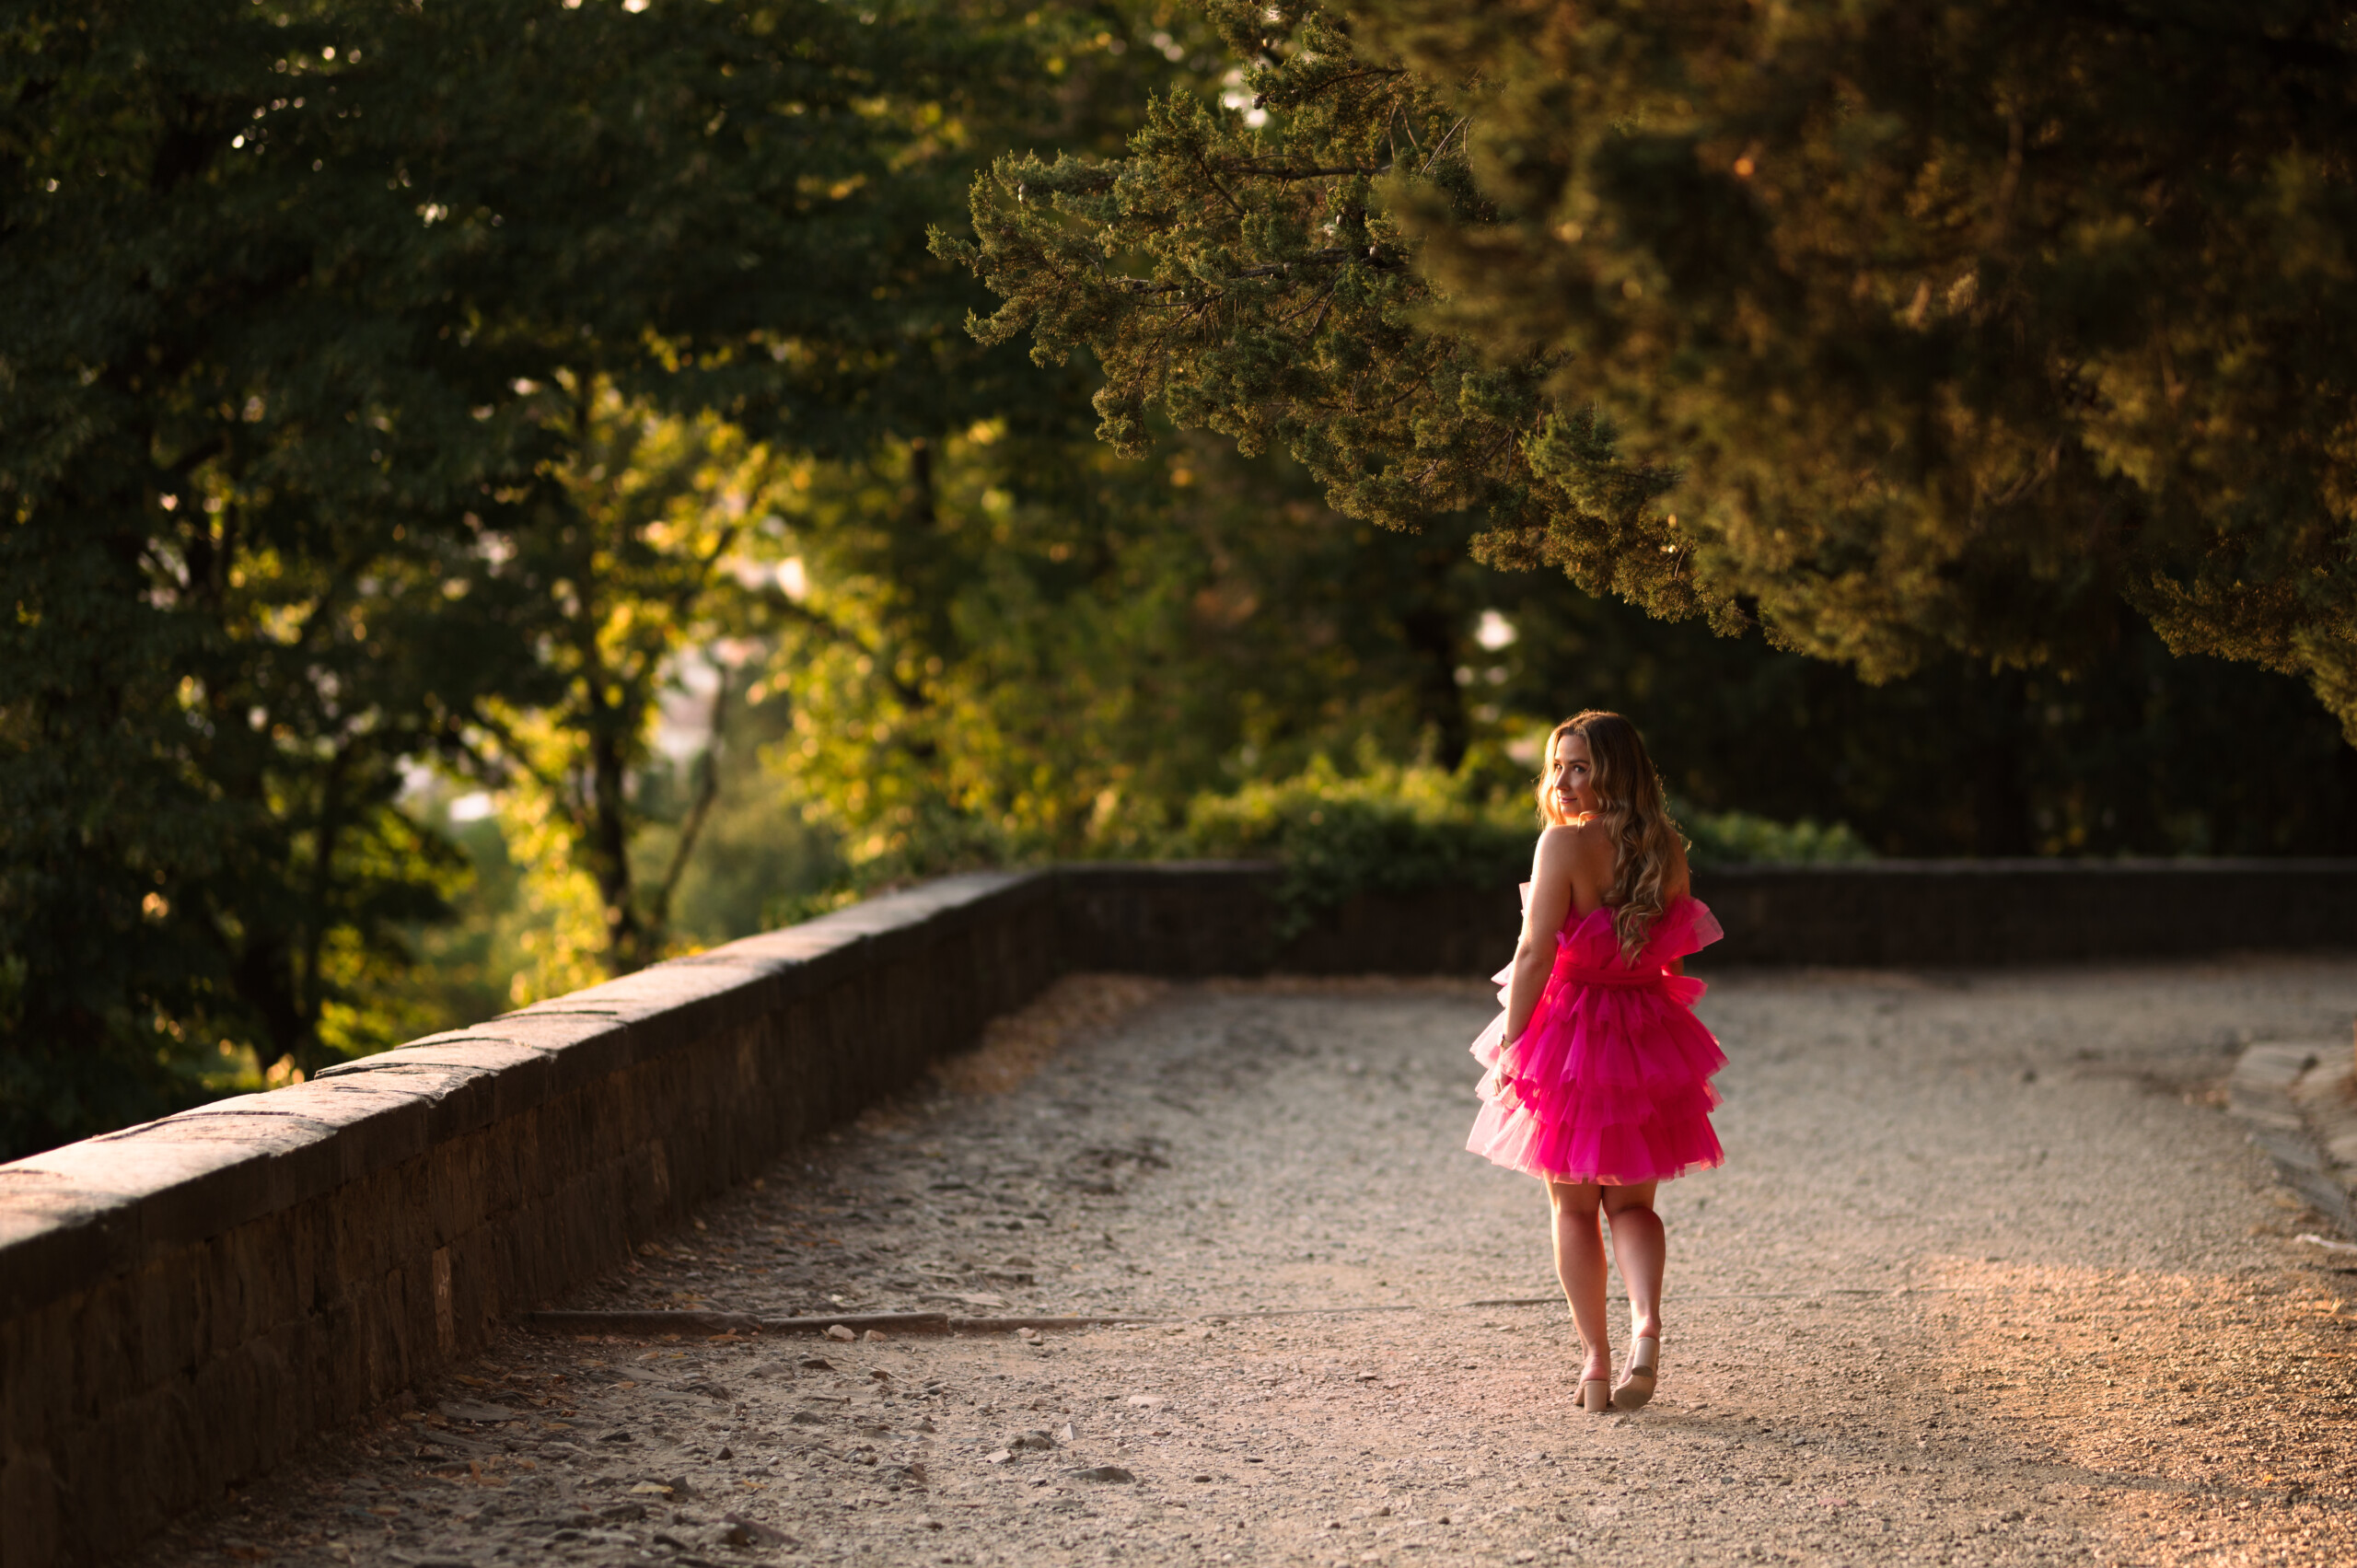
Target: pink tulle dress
{"points": [[1611, 1080]]}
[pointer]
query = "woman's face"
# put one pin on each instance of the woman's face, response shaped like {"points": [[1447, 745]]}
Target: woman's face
{"points": [[1570, 780]]}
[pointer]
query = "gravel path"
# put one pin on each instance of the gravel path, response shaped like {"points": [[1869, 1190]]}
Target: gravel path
{"points": [[1990, 1278]]}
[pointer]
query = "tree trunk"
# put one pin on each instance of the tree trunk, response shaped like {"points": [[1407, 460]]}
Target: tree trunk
{"points": [[607, 838]]}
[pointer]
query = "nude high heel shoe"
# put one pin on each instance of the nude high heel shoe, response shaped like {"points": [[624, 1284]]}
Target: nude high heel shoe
{"points": [[1637, 1379], [1595, 1393]]}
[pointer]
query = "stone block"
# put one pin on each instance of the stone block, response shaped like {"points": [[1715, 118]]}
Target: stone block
{"points": [[455, 1199], [37, 1350], [211, 1293], [943, 897], [259, 1260], [589, 1004], [583, 1047], [790, 956], [186, 1178], [165, 1307], [213, 1169], [376, 1337], [479, 1270], [695, 1003], [341, 1379], [527, 1258], [126, 1472], [514, 1156], [100, 1347], [374, 1123], [58, 1233], [281, 1361], [501, 1079], [1192, 918], [457, 1095], [2002, 911], [245, 1398], [32, 1510], [372, 1226], [2272, 1067]]}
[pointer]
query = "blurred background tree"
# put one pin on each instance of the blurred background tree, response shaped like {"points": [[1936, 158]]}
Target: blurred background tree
{"points": [[1891, 333], [643, 566], [1964, 327], [285, 286], [495, 495], [1015, 650]]}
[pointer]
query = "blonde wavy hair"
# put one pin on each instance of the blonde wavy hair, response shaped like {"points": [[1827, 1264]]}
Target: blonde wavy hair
{"points": [[1647, 847]]}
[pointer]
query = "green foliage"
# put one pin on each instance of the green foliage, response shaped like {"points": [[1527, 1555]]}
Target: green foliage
{"points": [[286, 491], [1007, 648], [467, 964], [1386, 829], [2143, 753], [757, 860], [1962, 324], [637, 561], [1740, 838], [1011, 652], [519, 934], [1895, 332], [1247, 274]]}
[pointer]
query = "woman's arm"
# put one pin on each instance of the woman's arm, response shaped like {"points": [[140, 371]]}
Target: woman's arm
{"points": [[1544, 914], [1560, 869]]}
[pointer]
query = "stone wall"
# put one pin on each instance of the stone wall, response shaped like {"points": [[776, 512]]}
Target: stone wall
{"points": [[183, 1303]]}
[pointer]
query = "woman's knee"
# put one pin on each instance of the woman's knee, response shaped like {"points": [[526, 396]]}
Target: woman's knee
{"points": [[1621, 1200], [1578, 1199]]}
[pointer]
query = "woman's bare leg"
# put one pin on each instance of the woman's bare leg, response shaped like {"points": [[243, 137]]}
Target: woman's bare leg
{"points": [[1641, 1249], [1579, 1263]]}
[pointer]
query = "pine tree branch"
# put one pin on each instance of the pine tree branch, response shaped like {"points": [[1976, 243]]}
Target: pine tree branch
{"points": [[1251, 168], [1204, 164], [1332, 82], [1442, 146]]}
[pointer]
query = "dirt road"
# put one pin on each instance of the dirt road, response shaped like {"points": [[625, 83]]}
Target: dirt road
{"points": [[1990, 1278]]}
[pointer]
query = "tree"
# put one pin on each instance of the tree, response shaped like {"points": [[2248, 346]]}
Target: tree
{"points": [[1006, 646], [1249, 274], [652, 544], [279, 287], [2146, 753], [1887, 330], [639, 566]]}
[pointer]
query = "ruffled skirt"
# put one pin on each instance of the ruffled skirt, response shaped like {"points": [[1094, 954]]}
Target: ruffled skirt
{"points": [[1609, 1083]]}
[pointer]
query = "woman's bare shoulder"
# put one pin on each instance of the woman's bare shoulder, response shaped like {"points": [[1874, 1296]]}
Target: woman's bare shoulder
{"points": [[1567, 845], [1580, 831], [1568, 838]]}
